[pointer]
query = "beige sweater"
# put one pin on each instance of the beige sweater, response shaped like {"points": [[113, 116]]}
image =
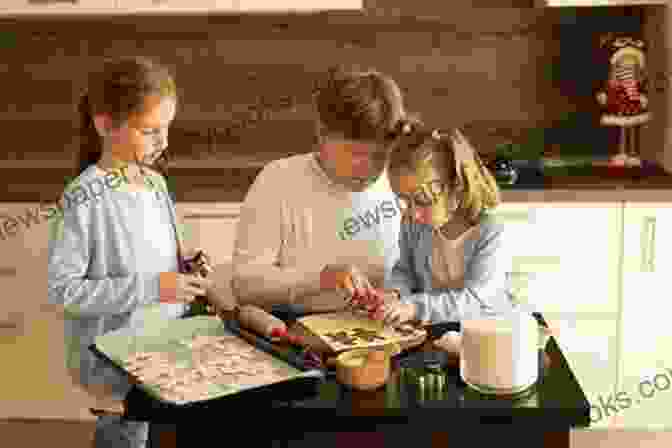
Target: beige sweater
{"points": [[295, 220]]}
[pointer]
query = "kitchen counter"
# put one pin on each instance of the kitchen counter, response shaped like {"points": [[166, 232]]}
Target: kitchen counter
{"points": [[554, 405], [230, 184]]}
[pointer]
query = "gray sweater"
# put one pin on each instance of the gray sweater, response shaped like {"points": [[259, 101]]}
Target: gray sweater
{"points": [[486, 290], [105, 256]]}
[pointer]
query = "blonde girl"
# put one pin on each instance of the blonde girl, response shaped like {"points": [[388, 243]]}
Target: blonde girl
{"points": [[453, 261]]}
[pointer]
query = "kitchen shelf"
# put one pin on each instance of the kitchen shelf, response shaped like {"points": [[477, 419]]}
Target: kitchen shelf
{"points": [[174, 7], [580, 3]]}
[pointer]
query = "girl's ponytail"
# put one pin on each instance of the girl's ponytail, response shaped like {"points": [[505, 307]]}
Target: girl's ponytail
{"points": [[90, 146]]}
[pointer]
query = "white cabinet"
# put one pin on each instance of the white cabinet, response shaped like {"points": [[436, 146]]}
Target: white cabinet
{"points": [[23, 267], [299, 5], [35, 383], [646, 333], [591, 349], [210, 226], [20, 7], [566, 264], [565, 256]]}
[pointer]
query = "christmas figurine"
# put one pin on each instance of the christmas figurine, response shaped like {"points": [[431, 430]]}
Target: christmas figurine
{"points": [[623, 98]]}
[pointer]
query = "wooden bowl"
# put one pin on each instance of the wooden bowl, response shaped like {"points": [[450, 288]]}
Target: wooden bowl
{"points": [[363, 369]]}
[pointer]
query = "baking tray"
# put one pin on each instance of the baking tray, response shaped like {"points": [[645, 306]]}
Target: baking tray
{"points": [[118, 345]]}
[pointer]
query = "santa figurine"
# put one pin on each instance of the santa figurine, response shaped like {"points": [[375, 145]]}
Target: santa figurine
{"points": [[623, 98]]}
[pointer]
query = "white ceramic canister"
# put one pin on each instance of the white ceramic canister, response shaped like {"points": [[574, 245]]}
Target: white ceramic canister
{"points": [[500, 355]]}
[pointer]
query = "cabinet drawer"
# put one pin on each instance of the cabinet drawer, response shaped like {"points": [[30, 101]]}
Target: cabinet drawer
{"points": [[565, 255], [584, 294], [580, 235]]}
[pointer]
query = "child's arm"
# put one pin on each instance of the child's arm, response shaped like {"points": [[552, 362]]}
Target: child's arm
{"points": [[485, 290], [402, 278], [70, 247]]}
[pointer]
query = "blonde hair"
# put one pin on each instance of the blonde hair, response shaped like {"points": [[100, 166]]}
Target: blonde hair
{"points": [[453, 157]]}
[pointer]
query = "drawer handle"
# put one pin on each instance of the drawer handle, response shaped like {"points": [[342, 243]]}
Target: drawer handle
{"points": [[7, 272], [648, 244]]}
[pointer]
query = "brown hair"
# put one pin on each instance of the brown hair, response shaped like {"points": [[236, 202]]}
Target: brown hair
{"points": [[358, 105], [118, 88], [453, 157]]}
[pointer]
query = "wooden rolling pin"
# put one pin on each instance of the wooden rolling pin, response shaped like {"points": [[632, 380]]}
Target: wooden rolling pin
{"points": [[261, 322]]}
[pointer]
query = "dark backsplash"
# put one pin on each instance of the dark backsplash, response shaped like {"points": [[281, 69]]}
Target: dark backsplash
{"points": [[245, 81]]}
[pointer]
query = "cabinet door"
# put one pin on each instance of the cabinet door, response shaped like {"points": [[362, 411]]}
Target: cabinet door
{"points": [[212, 227], [299, 5], [36, 383], [590, 347], [24, 243], [646, 334], [565, 255], [55, 6]]}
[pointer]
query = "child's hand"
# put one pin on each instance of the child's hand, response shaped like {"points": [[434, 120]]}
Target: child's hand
{"points": [[181, 288], [370, 300], [348, 278], [398, 313]]}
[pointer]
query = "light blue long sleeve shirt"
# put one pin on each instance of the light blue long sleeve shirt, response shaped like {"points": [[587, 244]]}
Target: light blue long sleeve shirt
{"points": [[106, 252], [486, 290]]}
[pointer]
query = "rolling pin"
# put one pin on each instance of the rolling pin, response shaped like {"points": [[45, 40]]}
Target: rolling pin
{"points": [[261, 322]]}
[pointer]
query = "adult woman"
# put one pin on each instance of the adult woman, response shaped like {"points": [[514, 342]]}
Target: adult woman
{"points": [[453, 261], [316, 224], [115, 258]]}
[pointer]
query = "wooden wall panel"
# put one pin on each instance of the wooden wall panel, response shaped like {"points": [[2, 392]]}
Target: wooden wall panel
{"points": [[485, 69]]}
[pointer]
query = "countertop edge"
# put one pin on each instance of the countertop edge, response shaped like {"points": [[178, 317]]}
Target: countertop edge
{"points": [[230, 184]]}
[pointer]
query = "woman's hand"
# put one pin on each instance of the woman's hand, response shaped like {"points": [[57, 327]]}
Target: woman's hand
{"points": [[191, 253], [193, 265], [181, 288], [399, 312], [347, 278]]}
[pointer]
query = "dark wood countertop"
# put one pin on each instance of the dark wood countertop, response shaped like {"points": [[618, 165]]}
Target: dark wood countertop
{"points": [[556, 401], [230, 184]]}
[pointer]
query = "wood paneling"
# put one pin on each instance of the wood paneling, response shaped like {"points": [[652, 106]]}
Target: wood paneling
{"points": [[251, 77]]}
